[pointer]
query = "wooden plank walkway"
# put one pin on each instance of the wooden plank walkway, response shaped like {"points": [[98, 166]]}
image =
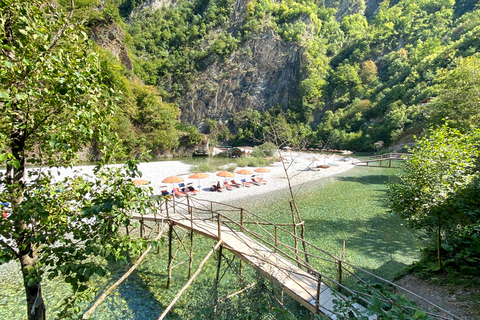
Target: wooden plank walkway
{"points": [[294, 281], [386, 157]]}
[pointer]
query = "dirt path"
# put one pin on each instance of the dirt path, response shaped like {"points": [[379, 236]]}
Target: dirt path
{"points": [[456, 300]]}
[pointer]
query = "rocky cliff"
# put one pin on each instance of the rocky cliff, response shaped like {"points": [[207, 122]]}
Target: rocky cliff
{"points": [[262, 73], [111, 37]]}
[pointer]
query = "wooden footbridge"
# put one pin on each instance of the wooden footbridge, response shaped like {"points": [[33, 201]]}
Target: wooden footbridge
{"points": [[379, 159], [310, 275]]}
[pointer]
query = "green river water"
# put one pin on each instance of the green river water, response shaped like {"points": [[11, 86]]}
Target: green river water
{"points": [[348, 207]]}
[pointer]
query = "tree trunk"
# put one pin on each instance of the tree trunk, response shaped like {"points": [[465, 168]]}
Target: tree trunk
{"points": [[35, 303], [25, 229], [439, 246]]}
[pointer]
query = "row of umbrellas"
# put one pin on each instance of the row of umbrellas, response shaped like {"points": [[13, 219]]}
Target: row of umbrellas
{"points": [[225, 174], [198, 176]]}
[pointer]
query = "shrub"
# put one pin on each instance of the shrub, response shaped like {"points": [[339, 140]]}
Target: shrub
{"points": [[251, 162], [203, 167]]}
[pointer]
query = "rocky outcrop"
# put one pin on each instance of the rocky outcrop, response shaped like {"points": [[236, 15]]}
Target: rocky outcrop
{"points": [[110, 37], [262, 73]]}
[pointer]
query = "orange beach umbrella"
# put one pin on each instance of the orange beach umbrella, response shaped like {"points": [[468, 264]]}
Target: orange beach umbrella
{"points": [[140, 182], [225, 174], [244, 171], [262, 170], [172, 180], [198, 176]]}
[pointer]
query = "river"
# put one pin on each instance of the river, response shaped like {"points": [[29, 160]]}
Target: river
{"points": [[348, 207]]}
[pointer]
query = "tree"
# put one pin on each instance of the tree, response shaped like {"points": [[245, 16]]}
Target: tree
{"points": [[436, 176], [53, 104], [459, 95]]}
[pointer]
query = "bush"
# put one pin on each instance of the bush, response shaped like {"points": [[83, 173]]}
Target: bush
{"points": [[268, 148], [231, 167], [257, 152], [203, 167], [251, 162]]}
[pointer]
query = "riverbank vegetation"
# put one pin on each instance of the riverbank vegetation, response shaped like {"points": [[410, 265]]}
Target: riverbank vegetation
{"points": [[367, 79]]}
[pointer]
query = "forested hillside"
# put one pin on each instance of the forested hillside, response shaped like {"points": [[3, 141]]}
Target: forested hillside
{"points": [[344, 74]]}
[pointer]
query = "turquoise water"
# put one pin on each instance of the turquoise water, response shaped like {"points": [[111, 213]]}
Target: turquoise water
{"points": [[348, 207]]}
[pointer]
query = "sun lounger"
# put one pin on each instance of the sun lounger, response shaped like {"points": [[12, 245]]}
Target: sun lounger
{"points": [[166, 195], [178, 193], [262, 180], [257, 181], [253, 181], [246, 183], [228, 186], [192, 190], [235, 184]]}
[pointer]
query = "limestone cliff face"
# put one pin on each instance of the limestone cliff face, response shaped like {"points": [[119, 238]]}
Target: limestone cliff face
{"points": [[110, 37], [263, 72]]}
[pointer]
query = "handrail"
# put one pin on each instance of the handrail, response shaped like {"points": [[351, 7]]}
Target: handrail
{"points": [[205, 207]]}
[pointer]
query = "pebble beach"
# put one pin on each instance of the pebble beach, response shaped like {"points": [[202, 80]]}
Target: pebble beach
{"points": [[300, 167]]}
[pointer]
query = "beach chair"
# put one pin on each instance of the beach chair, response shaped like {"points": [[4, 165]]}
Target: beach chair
{"points": [[262, 180], [166, 195], [253, 181], [178, 193], [192, 190], [246, 183], [257, 181], [235, 184], [228, 186]]}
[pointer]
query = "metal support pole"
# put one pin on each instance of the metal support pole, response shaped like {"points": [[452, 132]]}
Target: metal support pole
{"points": [[141, 228]]}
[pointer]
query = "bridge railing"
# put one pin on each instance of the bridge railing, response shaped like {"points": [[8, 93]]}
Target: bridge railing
{"points": [[336, 273], [393, 155]]}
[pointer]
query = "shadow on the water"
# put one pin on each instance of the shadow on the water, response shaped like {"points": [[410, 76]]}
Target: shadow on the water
{"points": [[379, 237]]}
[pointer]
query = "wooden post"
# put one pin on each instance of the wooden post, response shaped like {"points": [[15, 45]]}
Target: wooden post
{"points": [[141, 228], [211, 209], [170, 237], [217, 279], [158, 231], [390, 163], [319, 287], [276, 238], [295, 233], [241, 219], [394, 290], [219, 224], [167, 310], [339, 275], [380, 163], [191, 241], [128, 232], [166, 207]]}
